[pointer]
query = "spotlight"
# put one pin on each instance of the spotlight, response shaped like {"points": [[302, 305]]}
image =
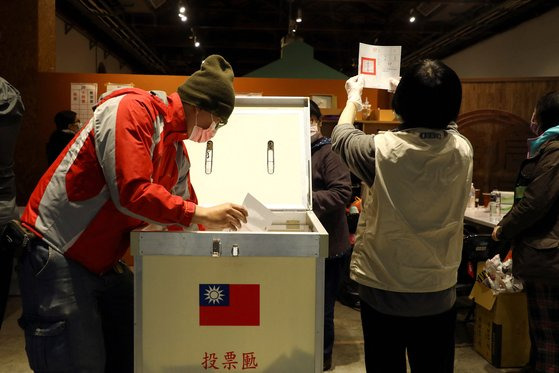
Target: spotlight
{"points": [[299, 18], [412, 19], [196, 42], [412, 16], [292, 28], [182, 12]]}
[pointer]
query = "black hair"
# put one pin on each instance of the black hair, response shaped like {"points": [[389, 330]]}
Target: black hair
{"points": [[315, 110], [547, 110], [428, 95], [63, 119]]}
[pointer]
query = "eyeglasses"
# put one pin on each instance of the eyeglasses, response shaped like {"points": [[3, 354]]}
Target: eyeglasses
{"points": [[219, 121]]}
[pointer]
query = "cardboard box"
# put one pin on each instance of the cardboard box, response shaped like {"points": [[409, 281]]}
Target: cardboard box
{"points": [[384, 115], [501, 327]]}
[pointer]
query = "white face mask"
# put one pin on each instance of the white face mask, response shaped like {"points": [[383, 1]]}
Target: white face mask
{"points": [[200, 134], [534, 126], [314, 131]]}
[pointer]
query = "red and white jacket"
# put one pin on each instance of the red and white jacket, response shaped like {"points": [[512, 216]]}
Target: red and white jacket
{"points": [[128, 166]]}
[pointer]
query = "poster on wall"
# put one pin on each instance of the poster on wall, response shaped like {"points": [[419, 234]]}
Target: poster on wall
{"points": [[114, 86], [83, 97], [377, 64]]}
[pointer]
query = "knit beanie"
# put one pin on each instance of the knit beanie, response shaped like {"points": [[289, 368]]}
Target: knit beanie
{"points": [[211, 87]]}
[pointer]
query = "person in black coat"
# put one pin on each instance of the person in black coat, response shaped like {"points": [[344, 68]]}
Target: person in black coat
{"points": [[67, 124], [331, 186], [533, 227]]}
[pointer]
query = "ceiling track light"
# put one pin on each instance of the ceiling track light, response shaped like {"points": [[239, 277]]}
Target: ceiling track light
{"points": [[412, 16], [292, 29], [182, 12], [299, 18], [196, 42]]}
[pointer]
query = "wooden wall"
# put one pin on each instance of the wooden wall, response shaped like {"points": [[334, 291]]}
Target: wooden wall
{"points": [[52, 92], [494, 116], [516, 96]]}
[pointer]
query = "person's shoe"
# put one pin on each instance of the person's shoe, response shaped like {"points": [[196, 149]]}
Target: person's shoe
{"points": [[327, 363]]}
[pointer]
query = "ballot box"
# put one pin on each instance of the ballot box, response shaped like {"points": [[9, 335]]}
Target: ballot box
{"points": [[238, 301]]}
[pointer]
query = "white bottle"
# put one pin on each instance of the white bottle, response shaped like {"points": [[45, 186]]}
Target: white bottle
{"points": [[495, 204], [366, 109], [472, 199]]}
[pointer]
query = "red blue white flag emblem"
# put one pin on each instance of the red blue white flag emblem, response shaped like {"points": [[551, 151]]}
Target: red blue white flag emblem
{"points": [[230, 304]]}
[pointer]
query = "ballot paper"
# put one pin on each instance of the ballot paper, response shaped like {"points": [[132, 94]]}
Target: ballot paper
{"points": [[378, 64], [259, 217]]}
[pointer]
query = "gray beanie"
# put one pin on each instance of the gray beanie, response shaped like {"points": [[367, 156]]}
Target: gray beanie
{"points": [[211, 87]]}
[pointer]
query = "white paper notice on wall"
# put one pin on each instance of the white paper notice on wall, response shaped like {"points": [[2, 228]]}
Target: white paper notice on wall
{"points": [[83, 97], [377, 64], [114, 86]]}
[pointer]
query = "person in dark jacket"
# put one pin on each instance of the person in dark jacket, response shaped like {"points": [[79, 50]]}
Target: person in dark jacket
{"points": [[533, 227], [331, 185], [67, 124], [11, 112]]}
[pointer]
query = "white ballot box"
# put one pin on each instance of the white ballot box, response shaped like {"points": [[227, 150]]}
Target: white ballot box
{"points": [[238, 301]]}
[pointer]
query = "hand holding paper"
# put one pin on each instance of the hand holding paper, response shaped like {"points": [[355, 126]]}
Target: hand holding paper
{"points": [[226, 215], [393, 84], [259, 217], [378, 64], [354, 88]]}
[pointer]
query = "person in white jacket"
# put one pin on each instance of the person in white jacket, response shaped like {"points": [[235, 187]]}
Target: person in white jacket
{"points": [[409, 236]]}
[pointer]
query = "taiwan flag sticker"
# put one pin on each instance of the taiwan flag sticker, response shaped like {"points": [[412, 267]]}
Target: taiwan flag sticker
{"points": [[230, 304]]}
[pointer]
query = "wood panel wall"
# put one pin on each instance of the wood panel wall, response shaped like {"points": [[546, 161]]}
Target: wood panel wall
{"points": [[494, 116], [52, 93], [499, 142], [515, 96]]}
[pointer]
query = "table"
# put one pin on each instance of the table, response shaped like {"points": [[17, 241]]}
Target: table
{"points": [[480, 215]]}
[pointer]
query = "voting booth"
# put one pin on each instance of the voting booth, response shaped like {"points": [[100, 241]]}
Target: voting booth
{"points": [[246, 300]]}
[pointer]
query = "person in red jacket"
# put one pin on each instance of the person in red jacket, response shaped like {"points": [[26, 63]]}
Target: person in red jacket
{"points": [[127, 167]]}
